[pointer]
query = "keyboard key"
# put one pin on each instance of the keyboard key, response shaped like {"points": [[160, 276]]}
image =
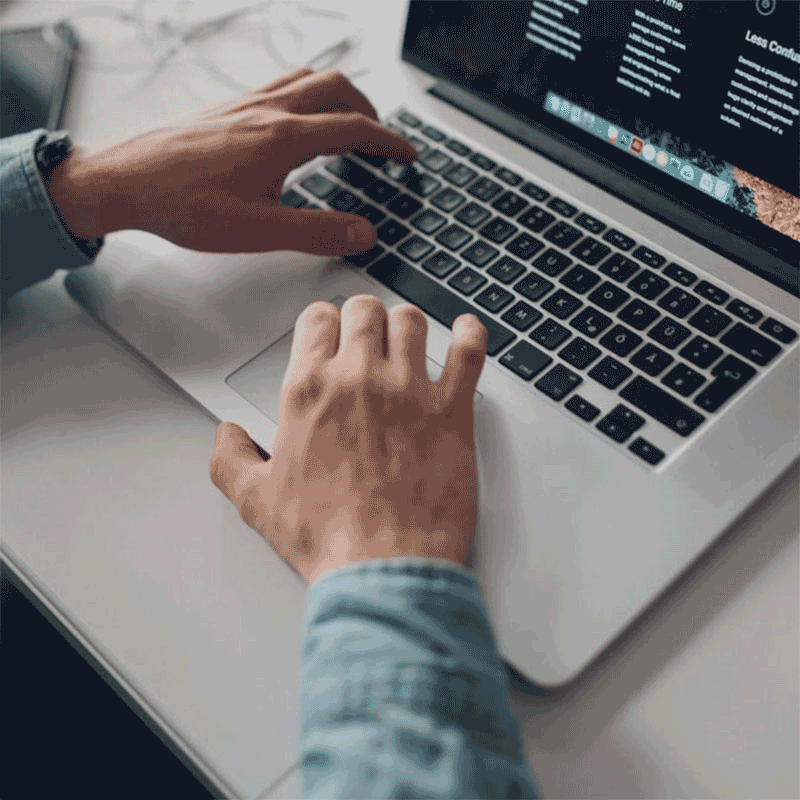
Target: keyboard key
{"points": [[396, 128], [392, 231], [590, 251], [374, 215], [472, 215], [743, 310], [409, 119], [660, 405], [580, 279], [709, 320], [482, 161], [536, 219], [559, 382], [753, 346], [509, 177], [649, 257], [533, 286], [711, 292], [733, 369], [562, 207], [643, 449], [380, 191], [372, 160], [479, 253], [350, 172], [561, 304], [580, 353], [582, 408], [292, 199], [418, 144], [319, 185], [510, 204], [494, 298], [521, 316], [404, 205], [421, 184], [669, 333], [610, 373], [457, 147], [397, 172], [428, 221], [590, 322], [498, 230], [506, 269], [590, 223], [550, 334], [638, 314], [415, 247], [778, 330], [467, 281], [524, 246], [526, 360], [454, 237], [701, 352], [618, 267], [484, 189], [679, 274], [563, 234], [459, 174], [620, 341], [648, 284], [620, 424], [683, 380], [731, 374], [618, 239], [344, 201], [436, 160], [440, 264], [652, 360], [434, 133], [441, 303], [551, 262], [448, 199], [608, 296], [534, 191], [678, 302], [362, 259]]}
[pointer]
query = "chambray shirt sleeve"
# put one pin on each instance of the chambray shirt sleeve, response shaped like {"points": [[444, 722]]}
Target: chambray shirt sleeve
{"points": [[33, 241], [402, 691]]}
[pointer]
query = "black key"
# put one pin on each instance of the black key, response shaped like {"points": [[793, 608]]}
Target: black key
{"points": [[660, 405], [551, 262], [482, 161], [459, 174], [669, 333], [608, 296], [436, 160], [648, 284], [590, 322], [398, 172], [510, 204], [508, 176], [638, 314], [404, 206], [620, 341], [484, 188], [319, 185], [442, 304], [563, 234], [467, 281], [652, 360], [679, 274], [472, 214], [479, 253], [498, 230], [550, 334], [434, 133], [580, 279], [561, 304], [440, 264], [620, 424], [618, 267], [506, 269], [683, 380], [590, 223], [753, 346], [778, 330], [494, 298], [454, 237], [643, 449], [610, 373], [362, 259], [562, 207], [585, 410], [678, 302], [701, 352], [350, 172], [649, 257], [533, 286], [392, 231], [524, 246], [372, 160], [733, 369], [374, 215], [709, 320], [415, 247], [380, 191], [731, 374], [590, 251], [711, 292], [344, 201], [559, 382], [618, 239], [421, 184], [580, 353], [534, 191], [292, 199], [448, 199], [744, 311], [428, 221], [536, 219], [521, 316], [526, 360], [418, 144], [457, 147], [409, 119], [392, 127]]}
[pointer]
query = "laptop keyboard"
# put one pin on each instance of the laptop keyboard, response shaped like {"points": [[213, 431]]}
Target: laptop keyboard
{"points": [[566, 298]]}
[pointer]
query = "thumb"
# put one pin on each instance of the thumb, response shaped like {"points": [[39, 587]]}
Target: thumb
{"points": [[237, 462]]}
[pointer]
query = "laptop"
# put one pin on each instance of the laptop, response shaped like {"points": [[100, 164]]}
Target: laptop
{"points": [[620, 209]]}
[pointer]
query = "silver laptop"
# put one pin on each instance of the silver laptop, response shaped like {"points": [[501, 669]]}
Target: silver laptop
{"points": [[621, 211]]}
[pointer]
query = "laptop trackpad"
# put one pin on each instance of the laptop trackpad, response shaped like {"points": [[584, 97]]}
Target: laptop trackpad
{"points": [[259, 381]]}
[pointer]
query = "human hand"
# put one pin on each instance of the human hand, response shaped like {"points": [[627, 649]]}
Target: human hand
{"points": [[212, 181], [371, 459]]}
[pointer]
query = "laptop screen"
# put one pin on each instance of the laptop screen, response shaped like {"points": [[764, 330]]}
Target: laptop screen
{"points": [[697, 101]]}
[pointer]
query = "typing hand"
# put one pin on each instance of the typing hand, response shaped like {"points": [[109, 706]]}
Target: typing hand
{"points": [[371, 458], [212, 181]]}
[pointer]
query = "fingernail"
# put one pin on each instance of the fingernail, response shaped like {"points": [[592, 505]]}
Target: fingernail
{"points": [[361, 234]]}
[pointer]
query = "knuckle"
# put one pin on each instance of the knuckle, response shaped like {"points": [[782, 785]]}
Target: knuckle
{"points": [[319, 312], [367, 303], [246, 494], [304, 393], [411, 314], [336, 77]]}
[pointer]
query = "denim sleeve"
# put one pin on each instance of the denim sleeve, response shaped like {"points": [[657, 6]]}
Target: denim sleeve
{"points": [[33, 241], [402, 691]]}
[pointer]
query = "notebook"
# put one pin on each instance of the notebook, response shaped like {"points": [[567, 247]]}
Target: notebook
{"points": [[612, 188]]}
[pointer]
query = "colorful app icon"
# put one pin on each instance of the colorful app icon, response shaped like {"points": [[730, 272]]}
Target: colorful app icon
{"points": [[613, 133], [706, 182], [687, 173], [587, 120], [637, 145], [564, 108], [625, 138], [661, 158], [554, 102], [675, 163], [649, 152], [721, 189], [575, 114]]}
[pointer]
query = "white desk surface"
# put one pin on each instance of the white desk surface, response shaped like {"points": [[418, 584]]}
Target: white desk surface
{"points": [[109, 512]]}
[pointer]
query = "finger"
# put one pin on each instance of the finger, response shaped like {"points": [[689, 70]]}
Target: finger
{"points": [[465, 358], [316, 337], [408, 331], [363, 330], [285, 80], [236, 462]]}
